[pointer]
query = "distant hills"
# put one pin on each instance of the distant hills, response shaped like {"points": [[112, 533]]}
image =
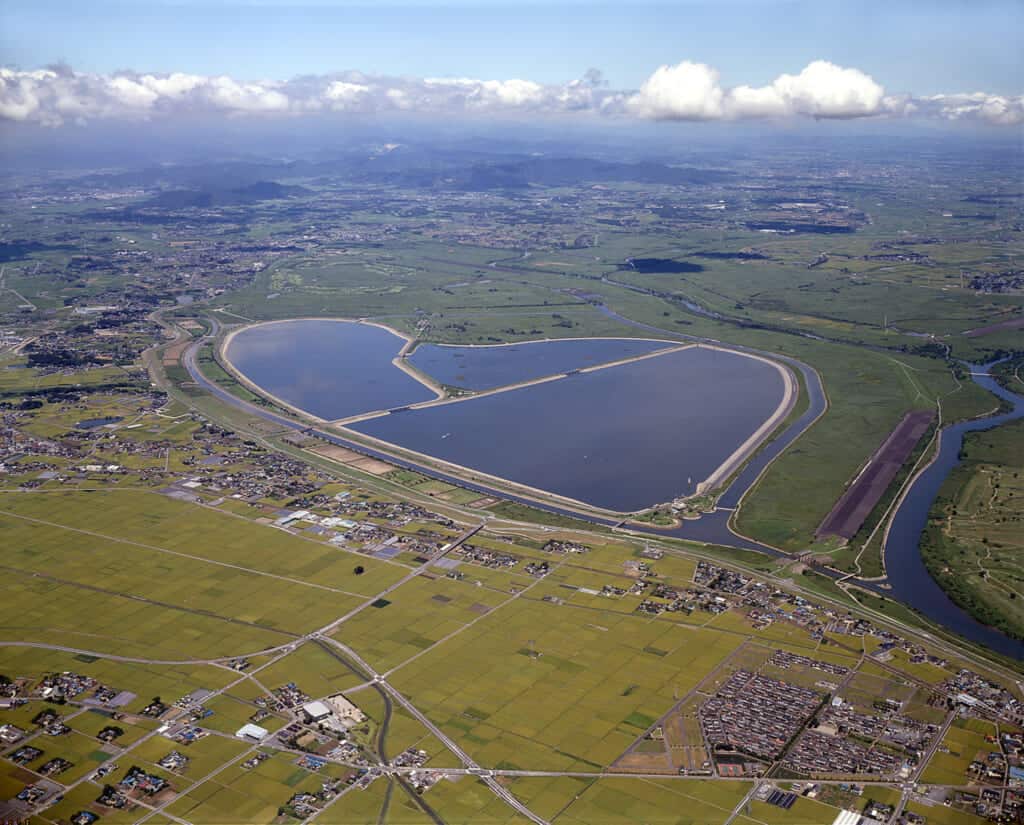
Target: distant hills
{"points": [[521, 173], [203, 198], [244, 182]]}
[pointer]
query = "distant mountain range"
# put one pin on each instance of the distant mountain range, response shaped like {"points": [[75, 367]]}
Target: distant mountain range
{"points": [[252, 193], [242, 182], [476, 174]]}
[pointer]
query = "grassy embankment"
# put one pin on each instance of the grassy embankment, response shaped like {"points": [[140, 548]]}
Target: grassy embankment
{"points": [[868, 390], [974, 541]]}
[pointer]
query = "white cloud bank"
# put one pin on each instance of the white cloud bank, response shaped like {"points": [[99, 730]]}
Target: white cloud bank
{"points": [[685, 91]]}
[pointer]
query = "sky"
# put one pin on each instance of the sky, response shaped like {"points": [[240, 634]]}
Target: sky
{"points": [[912, 50]]}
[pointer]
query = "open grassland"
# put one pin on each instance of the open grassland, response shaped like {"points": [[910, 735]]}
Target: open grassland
{"points": [[421, 612], [938, 814], [462, 800], [240, 794], [840, 295], [20, 381], [65, 615], [804, 812], [974, 542], [312, 669], [144, 518], [868, 395]]}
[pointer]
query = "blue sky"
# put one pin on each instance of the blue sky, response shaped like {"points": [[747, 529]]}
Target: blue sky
{"points": [[924, 47]]}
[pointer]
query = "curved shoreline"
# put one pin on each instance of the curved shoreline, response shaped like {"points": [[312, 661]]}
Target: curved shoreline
{"points": [[730, 465], [714, 528], [906, 570]]}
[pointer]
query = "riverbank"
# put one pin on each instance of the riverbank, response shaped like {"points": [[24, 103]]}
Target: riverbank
{"points": [[908, 575], [973, 544]]}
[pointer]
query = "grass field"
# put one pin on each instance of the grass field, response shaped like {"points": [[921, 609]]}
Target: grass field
{"points": [[800, 487], [248, 795], [421, 613], [601, 688], [974, 542], [959, 748], [161, 603], [621, 801]]}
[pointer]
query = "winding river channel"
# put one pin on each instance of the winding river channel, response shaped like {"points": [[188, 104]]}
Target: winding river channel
{"points": [[911, 583]]}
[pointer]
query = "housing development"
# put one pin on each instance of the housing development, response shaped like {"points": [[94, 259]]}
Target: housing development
{"points": [[399, 449]]}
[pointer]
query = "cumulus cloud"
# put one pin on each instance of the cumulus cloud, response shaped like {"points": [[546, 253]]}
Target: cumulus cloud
{"points": [[341, 94], [691, 91], [685, 91], [996, 109], [824, 89]]}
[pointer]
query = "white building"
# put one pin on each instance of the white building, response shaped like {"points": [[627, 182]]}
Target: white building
{"points": [[251, 731], [316, 711]]}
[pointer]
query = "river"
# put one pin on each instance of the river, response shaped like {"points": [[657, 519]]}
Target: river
{"points": [[911, 582]]}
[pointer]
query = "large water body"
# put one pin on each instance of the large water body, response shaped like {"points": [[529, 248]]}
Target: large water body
{"points": [[484, 368], [622, 438], [331, 369], [909, 578]]}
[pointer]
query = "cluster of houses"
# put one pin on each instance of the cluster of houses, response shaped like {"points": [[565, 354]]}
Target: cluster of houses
{"points": [[756, 715], [820, 754]]}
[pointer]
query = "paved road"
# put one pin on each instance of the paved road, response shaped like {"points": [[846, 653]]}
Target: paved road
{"points": [[473, 768]]}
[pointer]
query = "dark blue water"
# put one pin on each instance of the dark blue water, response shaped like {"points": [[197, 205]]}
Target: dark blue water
{"points": [[484, 368], [910, 579], [911, 582], [621, 438], [94, 423], [713, 527], [332, 369]]}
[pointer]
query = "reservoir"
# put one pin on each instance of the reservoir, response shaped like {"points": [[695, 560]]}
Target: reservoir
{"points": [[621, 438], [330, 369], [907, 575], [484, 368]]}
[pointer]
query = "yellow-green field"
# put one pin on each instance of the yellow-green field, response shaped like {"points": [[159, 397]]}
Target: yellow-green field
{"points": [[604, 677]]}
